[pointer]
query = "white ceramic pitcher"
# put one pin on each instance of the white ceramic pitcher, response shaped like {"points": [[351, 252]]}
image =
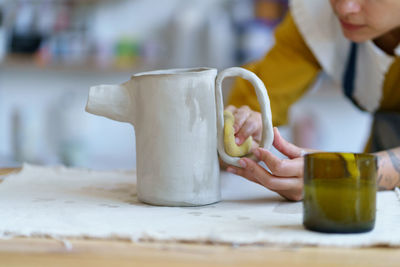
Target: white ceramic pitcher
{"points": [[176, 114]]}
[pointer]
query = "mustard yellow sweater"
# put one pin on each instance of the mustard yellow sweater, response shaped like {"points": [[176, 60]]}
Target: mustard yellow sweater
{"points": [[290, 68]]}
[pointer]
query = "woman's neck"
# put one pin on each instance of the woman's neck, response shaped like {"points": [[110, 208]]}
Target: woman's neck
{"points": [[389, 41]]}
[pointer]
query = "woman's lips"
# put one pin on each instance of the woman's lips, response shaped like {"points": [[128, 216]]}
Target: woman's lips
{"points": [[351, 27]]}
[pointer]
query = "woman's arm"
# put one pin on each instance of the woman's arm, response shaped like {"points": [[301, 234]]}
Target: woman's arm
{"points": [[287, 70], [388, 169], [285, 176]]}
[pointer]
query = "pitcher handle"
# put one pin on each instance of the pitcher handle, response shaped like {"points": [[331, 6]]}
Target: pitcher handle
{"points": [[262, 97]]}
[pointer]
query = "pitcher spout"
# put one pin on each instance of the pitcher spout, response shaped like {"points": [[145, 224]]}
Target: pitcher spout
{"points": [[110, 101]]}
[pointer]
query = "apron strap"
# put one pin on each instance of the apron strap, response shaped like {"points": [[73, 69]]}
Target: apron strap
{"points": [[349, 75], [385, 132]]}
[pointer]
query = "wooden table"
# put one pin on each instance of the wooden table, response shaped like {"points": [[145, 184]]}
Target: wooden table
{"points": [[48, 252]]}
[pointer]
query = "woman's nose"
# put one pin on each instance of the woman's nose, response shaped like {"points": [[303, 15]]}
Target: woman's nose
{"points": [[347, 7]]}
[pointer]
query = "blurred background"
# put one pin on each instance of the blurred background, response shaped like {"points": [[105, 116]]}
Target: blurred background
{"points": [[52, 51]]}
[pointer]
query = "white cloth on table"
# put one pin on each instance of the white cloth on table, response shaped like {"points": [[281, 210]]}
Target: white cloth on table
{"points": [[61, 202]]}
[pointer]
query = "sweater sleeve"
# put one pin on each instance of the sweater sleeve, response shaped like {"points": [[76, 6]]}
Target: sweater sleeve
{"points": [[287, 71]]}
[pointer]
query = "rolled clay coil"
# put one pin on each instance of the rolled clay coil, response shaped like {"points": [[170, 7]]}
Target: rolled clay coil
{"points": [[231, 148]]}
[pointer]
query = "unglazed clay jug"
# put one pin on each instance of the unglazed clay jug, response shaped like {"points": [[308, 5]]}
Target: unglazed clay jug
{"points": [[176, 114]]}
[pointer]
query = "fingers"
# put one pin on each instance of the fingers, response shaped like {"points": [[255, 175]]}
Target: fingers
{"points": [[251, 127], [239, 171], [230, 108], [256, 173], [247, 123], [280, 167], [286, 148], [254, 145], [293, 195], [241, 114]]}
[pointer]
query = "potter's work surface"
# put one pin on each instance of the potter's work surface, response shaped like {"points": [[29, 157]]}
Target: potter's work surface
{"points": [[64, 203]]}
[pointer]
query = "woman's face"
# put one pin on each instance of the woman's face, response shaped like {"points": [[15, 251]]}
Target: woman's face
{"points": [[363, 20]]}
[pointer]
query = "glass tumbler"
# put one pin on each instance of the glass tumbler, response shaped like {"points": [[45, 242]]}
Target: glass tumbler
{"points": [[339, 192]]}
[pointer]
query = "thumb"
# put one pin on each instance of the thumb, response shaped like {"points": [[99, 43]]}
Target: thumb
{"points": [[286, 148]]}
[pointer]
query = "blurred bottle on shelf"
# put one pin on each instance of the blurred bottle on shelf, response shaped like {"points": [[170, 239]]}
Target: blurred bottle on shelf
{"points": [[25, 38], [17, 135], [220, 38], [3, 36], [271, 12], [45, 24], [185, 38], [27, 134], [104, 52], [195, 33], [255, 39], [59, 36], [201, 37], [255, 22], [126, 53], [66, 129], [67, 42]]}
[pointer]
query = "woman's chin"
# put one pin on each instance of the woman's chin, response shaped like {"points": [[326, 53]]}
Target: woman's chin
{"points": [[356, 37]]}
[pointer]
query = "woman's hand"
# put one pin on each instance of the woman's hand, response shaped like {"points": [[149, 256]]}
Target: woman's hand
{"points": [[388, 169], [247, 123], [285, 176]]}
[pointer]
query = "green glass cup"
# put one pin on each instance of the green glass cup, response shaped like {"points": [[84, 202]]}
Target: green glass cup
{"points": [[339, 192]]}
